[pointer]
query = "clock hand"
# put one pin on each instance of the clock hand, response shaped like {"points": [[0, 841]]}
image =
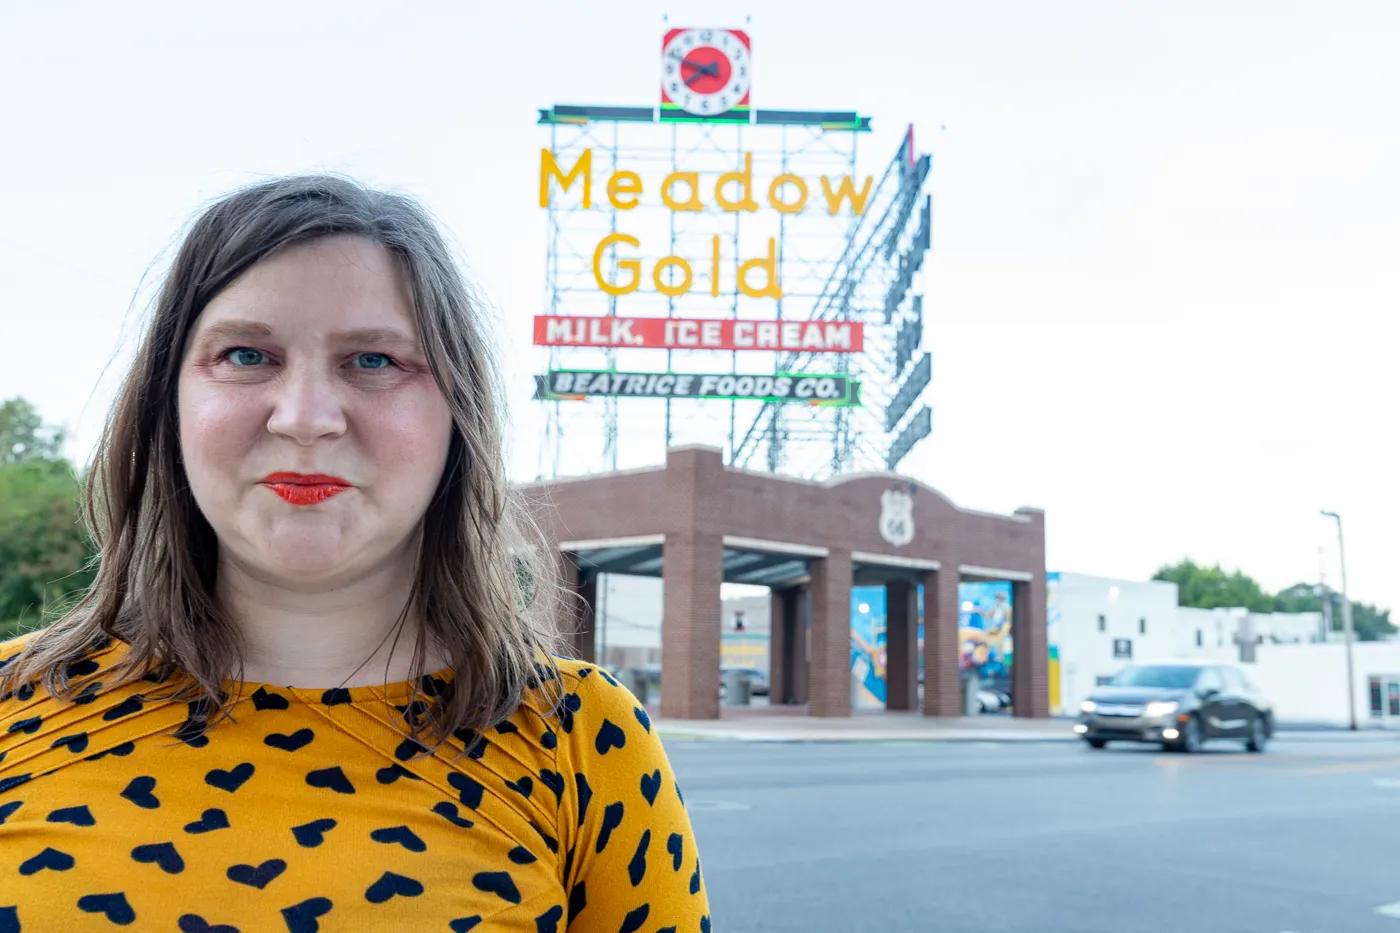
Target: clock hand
{"points": [[711, 69]]}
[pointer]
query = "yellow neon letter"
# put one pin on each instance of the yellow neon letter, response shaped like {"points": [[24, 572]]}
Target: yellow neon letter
{"points": [[714, 267], [847, 190], [620, 186], [692, 180], [550, 167], [672, 290], [626, 265], [768, 264], [745, 180], [777, 186]]}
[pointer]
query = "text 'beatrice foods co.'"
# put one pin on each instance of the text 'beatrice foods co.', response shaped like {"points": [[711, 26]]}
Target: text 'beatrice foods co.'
{"points": [[830, 390]]}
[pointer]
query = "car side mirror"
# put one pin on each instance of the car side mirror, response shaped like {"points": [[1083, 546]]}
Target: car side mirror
{"points": [[1208, 692]]}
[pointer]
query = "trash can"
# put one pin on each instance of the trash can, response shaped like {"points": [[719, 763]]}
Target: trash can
{"points": [[736, 688], [972, 684]]}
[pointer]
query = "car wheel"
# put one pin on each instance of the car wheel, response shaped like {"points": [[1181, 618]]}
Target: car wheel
{"points": [[1097, 743], [1192, 737], [1258, 736]]}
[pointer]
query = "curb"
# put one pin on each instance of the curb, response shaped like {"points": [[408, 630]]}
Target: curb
{"points": [[702, 736]]}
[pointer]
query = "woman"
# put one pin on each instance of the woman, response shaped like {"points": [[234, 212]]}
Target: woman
{"points": [[311, 688]]}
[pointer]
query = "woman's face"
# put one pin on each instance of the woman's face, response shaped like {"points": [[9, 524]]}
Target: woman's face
{"points": [[312, 430]]}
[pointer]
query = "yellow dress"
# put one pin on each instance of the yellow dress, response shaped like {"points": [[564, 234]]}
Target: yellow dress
{"points": [[310, 812]]}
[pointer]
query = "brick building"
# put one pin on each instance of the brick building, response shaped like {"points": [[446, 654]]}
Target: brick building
{"points": [[697, 523]]}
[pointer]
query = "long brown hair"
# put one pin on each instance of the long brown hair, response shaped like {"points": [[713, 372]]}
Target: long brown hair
{"points": [[485, 589]]}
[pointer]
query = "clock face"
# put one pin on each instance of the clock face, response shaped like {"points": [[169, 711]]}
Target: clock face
{"points": [[705, 71]]}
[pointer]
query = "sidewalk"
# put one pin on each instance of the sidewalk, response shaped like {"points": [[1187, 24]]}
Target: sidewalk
{"points": [[885, 727]]}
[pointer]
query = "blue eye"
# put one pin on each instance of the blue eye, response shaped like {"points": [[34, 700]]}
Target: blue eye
{"points": [[246, 356], [372, 361]]}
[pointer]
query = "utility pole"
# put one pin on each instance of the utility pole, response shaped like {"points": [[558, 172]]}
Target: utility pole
{"points": [[1324, 595], [1346, 618]]}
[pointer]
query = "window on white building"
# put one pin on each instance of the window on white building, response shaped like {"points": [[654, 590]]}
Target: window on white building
{"points": [[1142, 626], [1200, 638], [1103, 623]]}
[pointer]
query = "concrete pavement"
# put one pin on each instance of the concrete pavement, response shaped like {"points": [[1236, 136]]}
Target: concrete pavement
{"points": [[1041, 837]]}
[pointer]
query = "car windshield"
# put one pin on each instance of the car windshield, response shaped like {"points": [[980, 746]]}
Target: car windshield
{"points": [[1166, 676]]}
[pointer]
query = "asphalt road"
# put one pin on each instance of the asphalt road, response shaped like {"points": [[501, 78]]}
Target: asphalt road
{"points": [[1045, 838]]}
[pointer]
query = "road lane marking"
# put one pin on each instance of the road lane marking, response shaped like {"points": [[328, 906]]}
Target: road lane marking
{"points": [[726, 805], [1388, 782], [1389, 910], [1354, 767]]}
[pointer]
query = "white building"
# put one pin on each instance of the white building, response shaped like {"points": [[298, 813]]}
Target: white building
{"points": [[1308, 682], [1101, 625]]}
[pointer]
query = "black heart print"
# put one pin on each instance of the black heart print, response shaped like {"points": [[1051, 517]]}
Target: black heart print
{"points": [[260, 876], [208, 821], [232, 779], [162, 854]]}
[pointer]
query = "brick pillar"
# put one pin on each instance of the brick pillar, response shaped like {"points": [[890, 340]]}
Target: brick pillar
{"points": [[692, 572], [586, 636], [779, 645], [831, 636], [580, 600], [901, 645], [942, 683], [787, 647], [801, 652], [1030, 658]]}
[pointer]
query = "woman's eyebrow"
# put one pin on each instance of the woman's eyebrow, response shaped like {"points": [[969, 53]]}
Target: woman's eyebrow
{"points": [[235, 329], [373, 335]]}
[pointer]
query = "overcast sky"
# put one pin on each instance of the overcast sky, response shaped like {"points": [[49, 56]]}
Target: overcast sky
{"points": [[1162, 296]]}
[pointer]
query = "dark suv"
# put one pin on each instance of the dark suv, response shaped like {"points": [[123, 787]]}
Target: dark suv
{"points": [[1180, 704]]}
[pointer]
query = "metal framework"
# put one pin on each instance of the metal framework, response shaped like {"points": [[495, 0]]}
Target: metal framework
{"points": [[841, 267]]}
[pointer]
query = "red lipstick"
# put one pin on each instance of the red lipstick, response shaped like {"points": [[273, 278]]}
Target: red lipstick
{"points": [[304, 488]]}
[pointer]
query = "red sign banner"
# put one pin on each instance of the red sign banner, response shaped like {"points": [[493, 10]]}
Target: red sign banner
{"points": [[663, 333]]}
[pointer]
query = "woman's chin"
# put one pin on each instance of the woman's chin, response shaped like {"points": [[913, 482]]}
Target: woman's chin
{"points": [[306, 554]]}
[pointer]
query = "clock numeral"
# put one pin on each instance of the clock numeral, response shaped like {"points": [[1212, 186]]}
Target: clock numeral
{"points": [[675, 86], [707, 36], [705, 104], [724, 101], [670, 68], [743, 71]]}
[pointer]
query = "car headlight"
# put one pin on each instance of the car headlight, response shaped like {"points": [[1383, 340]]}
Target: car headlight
{"points": [[1161, 708], [1088, 706]]}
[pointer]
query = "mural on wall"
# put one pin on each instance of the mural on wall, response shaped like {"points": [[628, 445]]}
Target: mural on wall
{"points": [[868, 647], [984, 633], [985, 644]]}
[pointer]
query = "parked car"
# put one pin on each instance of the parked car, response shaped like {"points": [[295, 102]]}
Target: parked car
{"points": [[992, 701], [758, 680], [1180, 704]]}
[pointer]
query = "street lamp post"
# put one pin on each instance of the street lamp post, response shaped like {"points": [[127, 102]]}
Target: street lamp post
{"points": [[1346, 618]]}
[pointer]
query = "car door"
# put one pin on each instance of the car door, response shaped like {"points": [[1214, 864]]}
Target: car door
{"points": [[1210, 688], [1239, 712]]}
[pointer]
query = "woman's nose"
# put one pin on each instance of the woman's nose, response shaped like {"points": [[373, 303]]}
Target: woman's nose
{"points": [[307, 408]]}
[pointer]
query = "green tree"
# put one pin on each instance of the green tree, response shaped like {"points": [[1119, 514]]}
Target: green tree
{"points": [[23, 435], [45, 553], [1213, 588], [1370, 623]]}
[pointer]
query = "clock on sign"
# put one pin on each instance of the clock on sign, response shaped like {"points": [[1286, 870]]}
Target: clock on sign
{"points": [[705, 75]]}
